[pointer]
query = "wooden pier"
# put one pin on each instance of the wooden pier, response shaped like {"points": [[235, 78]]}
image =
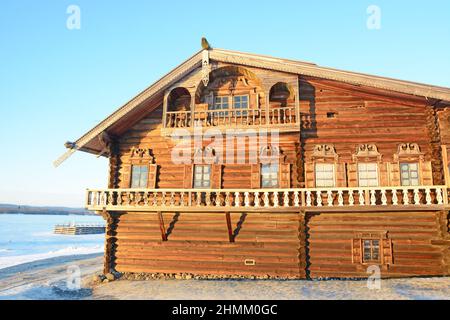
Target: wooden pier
{"points": [[78, 229]]}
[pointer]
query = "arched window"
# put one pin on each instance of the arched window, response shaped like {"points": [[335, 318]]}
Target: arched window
{"points": [[179, 100]]}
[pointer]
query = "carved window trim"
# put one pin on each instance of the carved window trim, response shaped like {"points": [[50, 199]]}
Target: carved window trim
{"points": [[205, 155], [408, 153], [367, 153], [326, 154], [385, 243], [141, 157]]}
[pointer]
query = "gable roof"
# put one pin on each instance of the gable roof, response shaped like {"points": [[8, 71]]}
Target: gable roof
{"points": [[89, 142]]}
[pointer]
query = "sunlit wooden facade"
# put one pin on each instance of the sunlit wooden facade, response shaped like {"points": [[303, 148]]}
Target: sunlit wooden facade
{"points": [[361, 175]]}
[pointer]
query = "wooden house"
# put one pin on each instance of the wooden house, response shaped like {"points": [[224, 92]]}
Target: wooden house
{"points": [[358, 176]]}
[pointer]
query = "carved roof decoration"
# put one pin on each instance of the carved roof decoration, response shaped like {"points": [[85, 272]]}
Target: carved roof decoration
{"points": [[366, 152], [408, 151], [205, 155], [324, 151], [271, 153], [147, 99], [142, 154]]}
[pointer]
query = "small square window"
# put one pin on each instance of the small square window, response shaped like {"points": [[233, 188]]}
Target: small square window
{"points": [[371, 250], [324, 175], [409, 174], [368, 174], [202, 176], [269, 175], [139, 176]]}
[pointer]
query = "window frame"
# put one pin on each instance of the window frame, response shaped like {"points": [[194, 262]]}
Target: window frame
{"points": [[371, 248], [333, 165], [140, 165], [359, 177], [195, 166], [408, 163], [270, 179]]}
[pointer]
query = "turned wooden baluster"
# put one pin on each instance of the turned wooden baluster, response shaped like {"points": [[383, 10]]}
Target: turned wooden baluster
{"points": [[340, 198], [428, 195], [247, 199], [373, 199], [286, 199], [405, 197], [439, 197], [145, 198], [155, 199], [394, 197], [319, 198], [237, 201], [361, 197], [308, 199], [383, 197], [351, 199], [182, 199], [296, 199], [257, 199], [218, 199], [266, 199], [172, 199], [198, 198], [227, 199], [275, 199], [208, 199], [416, 196], [330, 198]]}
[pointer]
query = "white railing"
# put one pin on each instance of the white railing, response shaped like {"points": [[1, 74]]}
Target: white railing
{"points": [[123, 199], [231, 117]]}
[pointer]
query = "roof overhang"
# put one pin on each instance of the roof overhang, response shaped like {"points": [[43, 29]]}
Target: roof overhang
{"points": [[150, 98]]}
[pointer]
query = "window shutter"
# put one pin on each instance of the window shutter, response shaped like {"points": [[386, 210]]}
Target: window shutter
{"points": [[356, 251], [309, 175], [341, 179], [187, 178], [383, 174], [285, 175], [427, 173], [255, 176], [352, 175], [125, 177], [387, 252], [216, 176], [395, 174], [152, 176]]}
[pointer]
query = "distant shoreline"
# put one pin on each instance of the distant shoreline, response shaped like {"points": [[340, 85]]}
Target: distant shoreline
{"points": [[19, 209]]}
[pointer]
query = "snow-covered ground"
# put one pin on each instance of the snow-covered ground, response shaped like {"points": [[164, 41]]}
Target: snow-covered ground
{"points": [[10, 261], [47, 279]]}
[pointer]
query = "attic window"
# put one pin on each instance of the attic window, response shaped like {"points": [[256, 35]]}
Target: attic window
{"points": [[331, 115]]}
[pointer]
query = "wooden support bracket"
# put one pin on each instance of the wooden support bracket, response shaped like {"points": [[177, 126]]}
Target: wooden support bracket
{"points": [[161, 226], [230, 231]]}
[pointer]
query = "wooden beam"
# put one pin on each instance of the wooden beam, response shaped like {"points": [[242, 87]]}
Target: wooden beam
{"points": [[161, 226], [230, 230]]}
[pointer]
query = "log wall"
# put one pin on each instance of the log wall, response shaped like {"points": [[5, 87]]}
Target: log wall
{"points": [[199, 243]]}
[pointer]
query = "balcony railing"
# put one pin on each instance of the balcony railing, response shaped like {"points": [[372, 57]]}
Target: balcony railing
{"points": [[261, 199], [231, 118]]}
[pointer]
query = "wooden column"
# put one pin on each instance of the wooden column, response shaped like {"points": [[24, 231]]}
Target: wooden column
{"points": [[444, 153], [165, 106], [109, 242]]}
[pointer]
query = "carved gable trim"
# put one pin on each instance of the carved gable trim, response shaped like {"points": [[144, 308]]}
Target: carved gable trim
{"points": [[408, 151], [142, 154], [324, 151], [366, 152], [270, 153]]}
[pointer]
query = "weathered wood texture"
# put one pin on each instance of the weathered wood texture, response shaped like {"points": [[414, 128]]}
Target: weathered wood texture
{"points": [[263, 244], [336, 116], [330, 243]]}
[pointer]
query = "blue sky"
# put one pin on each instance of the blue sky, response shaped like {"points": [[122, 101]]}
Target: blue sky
{"points": [[57, 83]]}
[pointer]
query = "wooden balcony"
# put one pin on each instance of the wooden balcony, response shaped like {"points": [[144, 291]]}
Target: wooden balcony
{"points": [[283, 118], [260, 200]]}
